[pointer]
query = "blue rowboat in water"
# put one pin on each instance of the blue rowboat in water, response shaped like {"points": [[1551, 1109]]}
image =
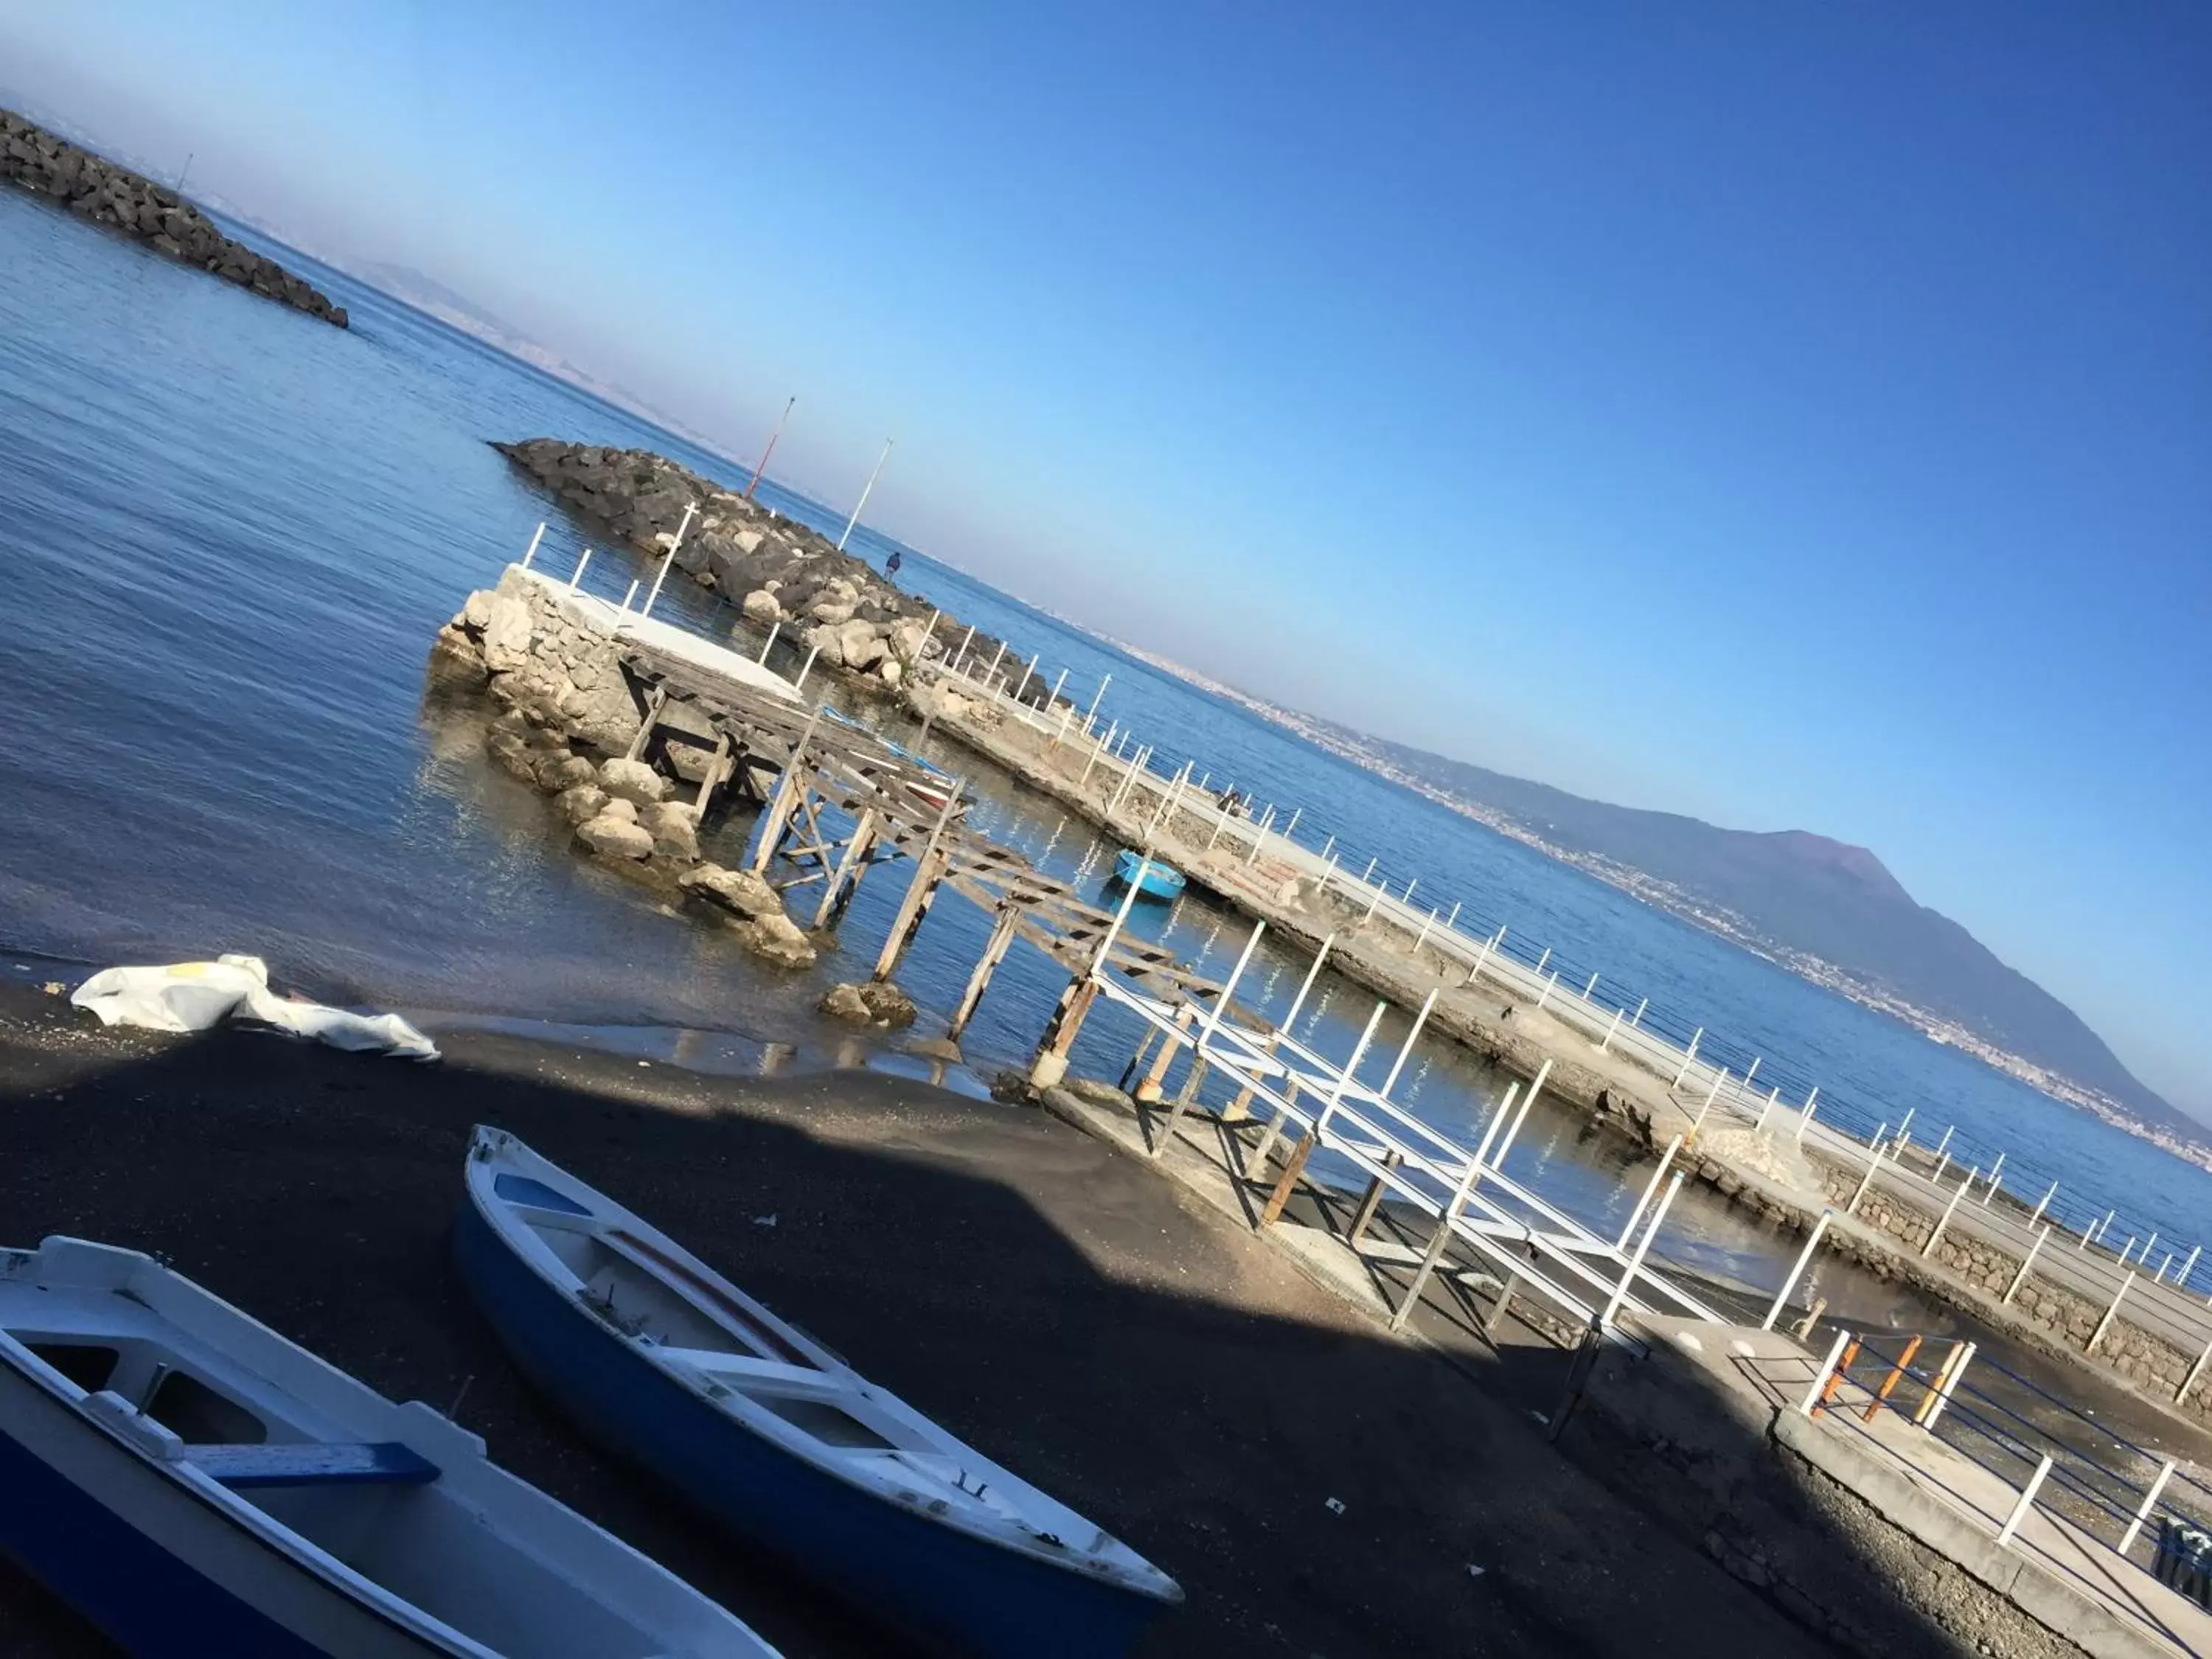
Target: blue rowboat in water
{"points": [[762, 1428], [1148, 876], [195, 1484]]}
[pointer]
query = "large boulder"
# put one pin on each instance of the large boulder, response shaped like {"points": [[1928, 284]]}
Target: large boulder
{"points": [[823, 642], [583, 803], [761, 608], [632, 780], [859, 645], [674, 835], [739, 891], [614, 837], [779, 939], [906, 640], [869, 1002], [505, 633], [831, 612]]}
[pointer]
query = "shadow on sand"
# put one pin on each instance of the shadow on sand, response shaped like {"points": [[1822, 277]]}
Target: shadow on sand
{"points": [[1054, 1302]]}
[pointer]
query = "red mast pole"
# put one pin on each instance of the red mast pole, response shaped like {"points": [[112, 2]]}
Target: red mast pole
{"points": [[770, 450]]}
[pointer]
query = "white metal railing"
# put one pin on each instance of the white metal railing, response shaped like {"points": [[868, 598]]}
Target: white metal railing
{"points": [[1703, 1087]]}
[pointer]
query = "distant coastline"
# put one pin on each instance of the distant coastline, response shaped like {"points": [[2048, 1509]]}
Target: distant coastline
{"points": [[1713, 918]]}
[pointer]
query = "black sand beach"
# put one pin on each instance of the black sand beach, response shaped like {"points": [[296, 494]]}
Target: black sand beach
{"points": [[1043, 1295]]}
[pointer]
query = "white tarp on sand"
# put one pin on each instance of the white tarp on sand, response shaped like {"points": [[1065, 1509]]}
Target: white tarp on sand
{"points": [[192, 996]]}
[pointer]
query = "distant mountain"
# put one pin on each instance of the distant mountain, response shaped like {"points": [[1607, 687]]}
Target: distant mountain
{"points": [[1829, 912], [1806, 896]]}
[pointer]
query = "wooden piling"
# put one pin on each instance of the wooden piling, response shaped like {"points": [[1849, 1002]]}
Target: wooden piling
{"points": [[1002, 935], [1283, 1187], [928, 873], [1371, 1201]]}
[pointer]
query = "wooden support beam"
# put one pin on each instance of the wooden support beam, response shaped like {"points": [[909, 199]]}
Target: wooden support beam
{"points": [[1148, 1087], [654, 704], [928, 871], [1060, 1034], [790, 789], [1372, 1200], [856, 851], [718, 769], [1002, 935], [1439, 1242], [1291, 1171], [1184, 1096]]}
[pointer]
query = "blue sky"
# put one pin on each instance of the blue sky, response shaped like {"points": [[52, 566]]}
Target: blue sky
{"points": [[1800, 416]]}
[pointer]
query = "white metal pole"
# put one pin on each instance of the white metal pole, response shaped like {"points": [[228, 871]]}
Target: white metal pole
{"points": [[1120, 915], [1095, 695], [864, 490], [2044, 1204], [2020, 1278], [806, 668], [690, 510], [1490, 1133], [1336, 1088], [1490, 944], [1642, 1249], [2188, 1267], [1312, 974], [1805, 1114], [1947, 1210], [1213, 1015], [1874, 1162], [1650, 1187], [1711, 1095], [1991, 1191], [2027, 1503], [2150, 1503], [1610, 1030], [532, 551], [1961, 1357], [1497, 1158], [579, 576], [1820, 1377], [2182, 1393], [1688, 1055], [1797, 1272], [768, 644], [624, 610], [1412, 1035], [2110, 1313]]}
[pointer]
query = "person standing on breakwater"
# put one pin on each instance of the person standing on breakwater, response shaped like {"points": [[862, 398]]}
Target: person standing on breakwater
{"points": [[891, 564]]}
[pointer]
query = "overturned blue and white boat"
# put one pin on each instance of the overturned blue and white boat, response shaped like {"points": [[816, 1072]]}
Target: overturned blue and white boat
{"points": [[196, 1485], [768, 1432]]}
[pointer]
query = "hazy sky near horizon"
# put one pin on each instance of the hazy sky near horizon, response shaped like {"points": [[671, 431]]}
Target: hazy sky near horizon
{"points": [[1799, 417]]}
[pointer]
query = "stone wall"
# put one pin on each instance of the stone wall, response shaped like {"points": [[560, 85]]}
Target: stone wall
{"points": [[106, 194], [2155, 1368]]}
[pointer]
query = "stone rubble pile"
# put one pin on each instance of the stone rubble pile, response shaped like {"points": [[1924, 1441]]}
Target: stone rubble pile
{"points": [[561, 689], [774, 569], [109, 195]]}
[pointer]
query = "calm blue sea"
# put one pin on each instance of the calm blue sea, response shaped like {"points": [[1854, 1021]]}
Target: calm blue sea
{"points": [[227, 533]]}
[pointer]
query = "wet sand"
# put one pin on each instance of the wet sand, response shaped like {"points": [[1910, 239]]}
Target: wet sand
{"points": [[1041, 1294]]}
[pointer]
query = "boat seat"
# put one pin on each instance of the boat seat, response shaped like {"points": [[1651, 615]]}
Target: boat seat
{"points": [[315, 1463]]}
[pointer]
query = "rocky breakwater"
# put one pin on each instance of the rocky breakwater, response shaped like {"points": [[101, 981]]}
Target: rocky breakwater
{"points": [[110, 195], [566, 716], [774, 570]]}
